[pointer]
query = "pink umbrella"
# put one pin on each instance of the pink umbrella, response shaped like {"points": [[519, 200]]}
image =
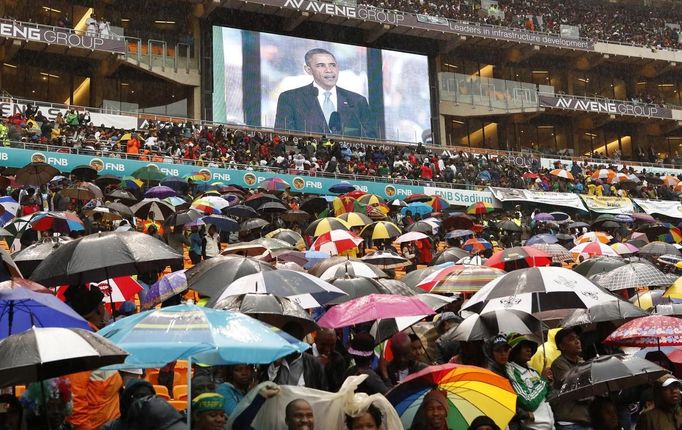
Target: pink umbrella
{"points": [[653, 330], [374, 307]]}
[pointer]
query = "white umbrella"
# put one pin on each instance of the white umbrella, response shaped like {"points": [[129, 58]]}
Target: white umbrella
{"points": [[411, 236], [352, 268]]}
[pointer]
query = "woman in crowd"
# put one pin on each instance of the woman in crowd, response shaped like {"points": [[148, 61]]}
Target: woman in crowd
{"points": [[47, 404]]}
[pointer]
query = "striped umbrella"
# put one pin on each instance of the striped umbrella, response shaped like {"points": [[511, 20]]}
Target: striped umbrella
{"points": [[469, 391], [593, 249], [438, 204], [558, 253], [293, 238], [606, 174], [669, 181], [170, 285], [324, 225], [518, 257], [594, 236], [386, 259], [210, 204], [370, 199], [476, 245], [487, 325], [343, 204], [336, 242], [355, 219], [480, 208], [60, 222], [459, 279], [562, 173], [274, 184], [8, 209], [624, 248], [381, 230], [130, 183]]}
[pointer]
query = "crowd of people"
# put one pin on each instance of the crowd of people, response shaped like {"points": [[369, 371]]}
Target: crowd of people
{"points": [[227, 147], [643, 25]]}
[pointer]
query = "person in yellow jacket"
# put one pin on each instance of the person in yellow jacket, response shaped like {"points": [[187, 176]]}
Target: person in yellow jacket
{"points": [[96, 393], [540, 363]]}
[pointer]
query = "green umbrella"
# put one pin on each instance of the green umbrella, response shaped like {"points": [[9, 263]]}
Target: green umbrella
{"points": [[149, 173]]}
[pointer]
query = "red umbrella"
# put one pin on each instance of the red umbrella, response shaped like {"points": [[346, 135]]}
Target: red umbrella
{"points": [[438, 204], [519, 257], [354, 194], [654, 330], [374, 307], [336, 242], [417, 198], [116, 290]]}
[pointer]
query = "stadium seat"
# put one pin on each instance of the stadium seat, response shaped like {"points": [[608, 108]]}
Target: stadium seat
{"points": [[152, 375], [180, 392], [162, 391], [179, 405]]}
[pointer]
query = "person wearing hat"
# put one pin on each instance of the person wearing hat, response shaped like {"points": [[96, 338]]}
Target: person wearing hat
{"points": [[208, 412], [496, 350], [571, 414], [667, 413], [531, 388], [362, 351], [134, 389], [154, 413], [99, 387], [433, 412]]}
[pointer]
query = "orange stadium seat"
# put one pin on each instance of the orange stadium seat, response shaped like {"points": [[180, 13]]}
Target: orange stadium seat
{"points": [[162, 391], [180, 392], [179, 405]]}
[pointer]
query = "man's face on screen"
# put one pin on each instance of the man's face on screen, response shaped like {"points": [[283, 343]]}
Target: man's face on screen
{"points": [[324, 70]]}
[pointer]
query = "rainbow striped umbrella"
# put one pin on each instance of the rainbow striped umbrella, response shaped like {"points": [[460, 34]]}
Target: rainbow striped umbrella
{"points": [[438, 204], [480, 208], [470, 392], [459, 279]]}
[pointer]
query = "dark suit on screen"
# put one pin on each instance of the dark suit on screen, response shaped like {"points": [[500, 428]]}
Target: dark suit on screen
{"points": [[299, 109]]}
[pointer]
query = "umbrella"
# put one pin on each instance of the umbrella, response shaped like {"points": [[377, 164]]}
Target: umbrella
{"points": [[454, 234], [273, 310], [256, 200], [610, 311], [386, 259], [156, 337], [416, 209], [105, 213], [352, 269], [593, 236], [420, 227], [223, 222], [518, 257], [578, 224], [59, 222], [472, 260], [115, 290], [27, 259], [159, 209], [107, 180], [170, 285], [607, 174], [385, 328], [562, 173], [371, 199], [459, 279], [46, 352], [9, 208], [148, 174], [124, 196], [449, 255], [633, 275], [274, 184], [80, 192], [289, 236], [241, 211], [480, 208], [314, 205], [558, 253], [304, 289], [373, 307], [183, 217], [342, 187], [37, 173], [336, 242], [650, 299], [212, 276], [318, 268], [624, 248], [324, 225], [509, 225], [675, 290], [381, 230], [22, 308], [130, 183], [598, 265], [658, 248], [652, 330], [593, 249], [438, 204], [295, 215], [476, 245], [175, 182], [543, 216], [606, 374], [538, 289], [470, 392], [355, 219], [411, 236], [542, 239], [272, 207], [360, 287], [160, 192], [642, 217], [488, 324], [460, 221], [253, 224], [84, 173], [210, 204], [104, 255]]}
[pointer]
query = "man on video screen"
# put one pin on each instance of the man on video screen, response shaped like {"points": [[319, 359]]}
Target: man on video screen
{"points": [[321, 106]]}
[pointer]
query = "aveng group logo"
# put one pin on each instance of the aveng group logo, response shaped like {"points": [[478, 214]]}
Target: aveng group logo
{"points": [[97, 164], [298, 183], [390, 190], [250, 179], [155, 166], [38, 157], [206, 174]]}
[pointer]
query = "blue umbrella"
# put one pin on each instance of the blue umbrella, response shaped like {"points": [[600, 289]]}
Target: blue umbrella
{"points": [[10, 209], [21, 309], [170, 285], [223, 222], [542, 238], [156, 337], [342, 187], [175, 182], [417, 208]]}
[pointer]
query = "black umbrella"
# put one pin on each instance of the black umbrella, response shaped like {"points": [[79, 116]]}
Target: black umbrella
{"points": [[414, 277], [47, 352], [597, 265], [253, 224], [488, 324], [449, 255], [421, 227], [578, 224], [610, 311], [158, 207], [462, 222], [122, 195], [295, 215], [183, 217], [276, 311], [105, 255], [319, 268], [120, 208], [508, 225], [257, 200], [606, 374], [212, 276], [84, 173], [106, 180], [272, 207], [384, 328], [352, 269], [241, 211], [386, 259], [396, 286], [314, 205], [659, 248], [358, 287], [27, 259], [36, 173]]}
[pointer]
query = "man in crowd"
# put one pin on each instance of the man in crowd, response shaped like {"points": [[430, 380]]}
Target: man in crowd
{"points": [[403, 362], [667, 413], [334, 363]]}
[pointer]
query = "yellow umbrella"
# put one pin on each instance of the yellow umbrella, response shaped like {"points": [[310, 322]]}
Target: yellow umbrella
{"points": [[370, 199], [355, 219], [675, 290], [324, 225], [381, 230], [343, 204]]}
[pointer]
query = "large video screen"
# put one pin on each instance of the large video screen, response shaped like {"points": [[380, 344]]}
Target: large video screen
{"points": [[294, 84]]}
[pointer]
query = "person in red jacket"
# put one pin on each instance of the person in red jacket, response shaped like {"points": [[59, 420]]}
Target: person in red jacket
{"points": [[426, 172]]}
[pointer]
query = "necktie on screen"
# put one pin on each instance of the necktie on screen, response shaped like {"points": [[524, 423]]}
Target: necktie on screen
{"points": [[327, 105]]}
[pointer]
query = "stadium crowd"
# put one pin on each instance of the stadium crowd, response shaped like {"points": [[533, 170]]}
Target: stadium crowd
{"points": [[643, 25], [228, 147]]}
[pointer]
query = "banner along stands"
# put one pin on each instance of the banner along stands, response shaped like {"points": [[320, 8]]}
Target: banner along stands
{"points": [[667, 208], [608, 204], [458, 197], [565, 200]]}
